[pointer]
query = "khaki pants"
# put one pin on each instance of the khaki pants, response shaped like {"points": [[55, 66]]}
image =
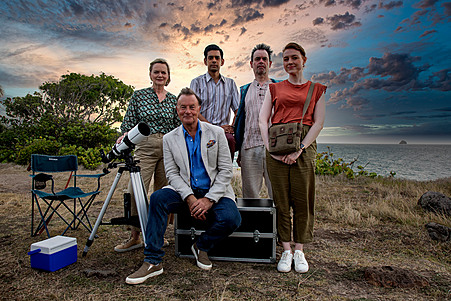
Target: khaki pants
{"points": [[150, 154], [253, 170], [293, 186]]}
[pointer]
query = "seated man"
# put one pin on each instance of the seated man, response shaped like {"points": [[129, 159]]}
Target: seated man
{"points": [[199, 170]]}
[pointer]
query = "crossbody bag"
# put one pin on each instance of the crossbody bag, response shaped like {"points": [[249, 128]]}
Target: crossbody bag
{"points": [[285, 138]]}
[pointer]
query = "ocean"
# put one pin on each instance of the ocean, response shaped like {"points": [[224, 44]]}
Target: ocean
{"points": [[409, 161]]}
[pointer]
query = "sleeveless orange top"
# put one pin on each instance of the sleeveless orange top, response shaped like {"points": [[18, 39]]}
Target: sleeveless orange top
{"points": [[288, 101]]}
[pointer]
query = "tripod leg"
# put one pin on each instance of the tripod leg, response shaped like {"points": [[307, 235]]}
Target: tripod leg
{"points": [[140, 200], [102, 213]]}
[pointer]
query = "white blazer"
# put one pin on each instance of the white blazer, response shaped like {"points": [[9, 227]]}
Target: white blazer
{"points": [[215, 155]]}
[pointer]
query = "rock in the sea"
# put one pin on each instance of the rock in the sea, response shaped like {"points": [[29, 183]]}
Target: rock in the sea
{"points": [[436, 202], [403, 142], [438, 232]]}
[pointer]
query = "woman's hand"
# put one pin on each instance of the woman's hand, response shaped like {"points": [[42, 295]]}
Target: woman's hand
{"points": [[288, 159], [277, 157], [291, 158], [119, 140]]}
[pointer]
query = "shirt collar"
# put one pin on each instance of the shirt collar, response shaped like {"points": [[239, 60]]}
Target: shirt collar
{"points": [[255, 83], [199, 130], [221, 77]]}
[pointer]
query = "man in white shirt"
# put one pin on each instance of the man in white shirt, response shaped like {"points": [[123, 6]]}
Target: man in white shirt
{"points": [[219, 94]]}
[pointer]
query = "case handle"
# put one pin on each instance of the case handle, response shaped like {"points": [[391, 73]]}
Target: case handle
{"points": [[34, 252]]}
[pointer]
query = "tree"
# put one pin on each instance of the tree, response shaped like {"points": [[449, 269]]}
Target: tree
{"points": [[76, 97], [1, 91], [24, 110], [96, 98], [77, 111]]}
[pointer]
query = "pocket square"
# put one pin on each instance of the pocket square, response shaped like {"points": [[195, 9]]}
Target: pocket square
{"points": [[211, 143]]}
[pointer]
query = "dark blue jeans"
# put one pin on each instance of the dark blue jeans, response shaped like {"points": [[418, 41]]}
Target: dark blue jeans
{"points": [[223, 218]]}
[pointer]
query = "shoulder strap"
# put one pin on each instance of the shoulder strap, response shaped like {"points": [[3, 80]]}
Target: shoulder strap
{"points": [[307, 100]]}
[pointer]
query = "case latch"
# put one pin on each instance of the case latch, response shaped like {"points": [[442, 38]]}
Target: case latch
{"points": [[193, 233], [256, 236]]}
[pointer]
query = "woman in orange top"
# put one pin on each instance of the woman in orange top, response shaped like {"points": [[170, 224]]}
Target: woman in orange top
{"points": [[293, 176]]}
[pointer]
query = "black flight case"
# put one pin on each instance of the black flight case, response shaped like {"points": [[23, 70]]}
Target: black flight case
{"points": [[253, 241]]}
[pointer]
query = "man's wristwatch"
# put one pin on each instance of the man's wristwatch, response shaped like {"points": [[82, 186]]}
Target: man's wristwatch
{"points": [[302, 147]]}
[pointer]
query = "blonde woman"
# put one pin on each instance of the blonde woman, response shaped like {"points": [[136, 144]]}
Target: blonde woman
{"points": [[156, 107]]}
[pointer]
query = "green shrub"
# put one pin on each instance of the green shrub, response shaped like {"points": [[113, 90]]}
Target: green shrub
{"points": [[326, 164], [45, 146], [91, 159]]}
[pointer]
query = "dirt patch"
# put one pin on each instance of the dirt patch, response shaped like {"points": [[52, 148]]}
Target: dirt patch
{"points": [[14, 179], [388, 276]]}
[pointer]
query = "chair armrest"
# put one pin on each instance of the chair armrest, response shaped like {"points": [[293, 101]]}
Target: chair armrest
{"points": [[98, 176], [91, 176]]}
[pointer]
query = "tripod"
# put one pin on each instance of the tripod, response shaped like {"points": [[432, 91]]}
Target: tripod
{"points": [[138, 190]]}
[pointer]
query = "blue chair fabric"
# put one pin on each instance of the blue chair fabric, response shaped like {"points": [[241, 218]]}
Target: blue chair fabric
{"points": [[49, 203]]}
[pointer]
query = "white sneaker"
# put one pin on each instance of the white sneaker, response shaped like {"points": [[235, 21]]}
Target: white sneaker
{"points": [[300, 264], [285, 262]]}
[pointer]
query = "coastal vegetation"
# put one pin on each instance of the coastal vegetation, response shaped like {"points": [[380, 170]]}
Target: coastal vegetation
{"points": [[72, 116], [327, 164]]}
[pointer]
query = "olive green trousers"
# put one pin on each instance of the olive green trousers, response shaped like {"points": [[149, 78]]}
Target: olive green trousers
{"points": [[294, 188]]}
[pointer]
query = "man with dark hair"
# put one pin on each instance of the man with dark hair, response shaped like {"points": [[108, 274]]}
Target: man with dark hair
{"points": [[219, 94], [213, 47], [249, 143], [199, 181]]}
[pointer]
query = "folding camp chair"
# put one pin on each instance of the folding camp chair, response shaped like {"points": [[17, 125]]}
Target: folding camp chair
{"points": [[48, 201]]}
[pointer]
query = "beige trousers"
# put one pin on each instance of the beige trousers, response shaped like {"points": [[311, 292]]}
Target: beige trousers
{"points": [[149, 152]]}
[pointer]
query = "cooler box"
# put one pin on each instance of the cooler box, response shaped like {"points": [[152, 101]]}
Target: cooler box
{"points": [[54, 253]]}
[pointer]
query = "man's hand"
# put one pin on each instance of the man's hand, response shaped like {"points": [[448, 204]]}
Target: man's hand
{"points": [[227, 128], [198, 207], [238, 159]]}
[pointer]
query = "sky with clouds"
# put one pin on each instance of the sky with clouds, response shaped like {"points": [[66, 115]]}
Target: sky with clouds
{"points": [[387, 64]]}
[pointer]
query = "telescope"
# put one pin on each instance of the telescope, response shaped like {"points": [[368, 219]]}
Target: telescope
{"points": [[133, 137]]}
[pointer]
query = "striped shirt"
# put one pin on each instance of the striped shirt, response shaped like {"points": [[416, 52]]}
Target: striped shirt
{"points": [[254, 100], [217, 98], [144, 106]]}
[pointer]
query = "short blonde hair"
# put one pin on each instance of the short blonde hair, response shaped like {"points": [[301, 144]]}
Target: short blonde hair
{"points": [[161, 61]]}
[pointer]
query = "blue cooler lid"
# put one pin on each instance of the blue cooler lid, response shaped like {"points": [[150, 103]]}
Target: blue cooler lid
{"points": [[54, 244]]}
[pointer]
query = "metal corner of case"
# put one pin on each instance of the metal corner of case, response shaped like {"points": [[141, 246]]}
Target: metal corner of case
{"points": [[272, 260]]}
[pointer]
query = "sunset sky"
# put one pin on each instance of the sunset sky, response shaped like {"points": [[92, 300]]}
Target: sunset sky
{"points": [[387, 64]]}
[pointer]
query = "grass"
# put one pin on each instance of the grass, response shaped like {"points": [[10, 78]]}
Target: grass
{"points": [[360, 223]]}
